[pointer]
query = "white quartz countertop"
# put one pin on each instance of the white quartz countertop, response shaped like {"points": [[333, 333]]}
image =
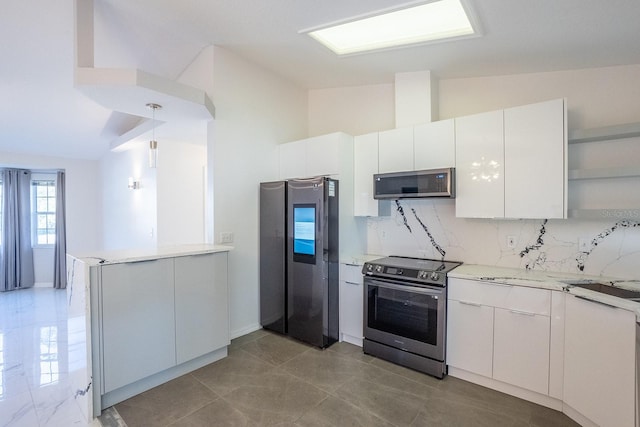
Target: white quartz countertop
{"points": [[136, 255], [551, 280], [359, 259]]}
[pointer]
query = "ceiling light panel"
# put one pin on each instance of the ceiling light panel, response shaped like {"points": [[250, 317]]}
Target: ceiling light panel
{"points": [[438, 20]]}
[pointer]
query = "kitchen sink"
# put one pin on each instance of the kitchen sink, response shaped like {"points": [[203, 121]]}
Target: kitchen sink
{"points": [[606, 289]]}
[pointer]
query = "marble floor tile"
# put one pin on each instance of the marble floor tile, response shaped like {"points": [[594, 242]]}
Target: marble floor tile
{"points": [[39, 359]]}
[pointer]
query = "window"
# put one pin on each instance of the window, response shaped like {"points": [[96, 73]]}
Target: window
{"points": [[43, 209]]}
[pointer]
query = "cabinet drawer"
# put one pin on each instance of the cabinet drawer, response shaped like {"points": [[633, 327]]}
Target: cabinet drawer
{"points": [[351, 273], [519, 298]]}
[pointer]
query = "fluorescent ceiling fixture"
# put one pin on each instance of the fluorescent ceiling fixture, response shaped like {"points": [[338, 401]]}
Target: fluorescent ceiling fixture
{"points": [[444, 19]]}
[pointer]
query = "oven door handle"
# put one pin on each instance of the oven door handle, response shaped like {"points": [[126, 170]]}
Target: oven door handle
{"points": [[405, 288]]}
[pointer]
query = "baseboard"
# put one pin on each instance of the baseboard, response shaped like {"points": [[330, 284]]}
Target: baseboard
{"points": [[531, 396], [244, 331]]}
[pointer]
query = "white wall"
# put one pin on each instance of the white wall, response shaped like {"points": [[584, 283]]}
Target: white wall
{"points": [[84, 213], [354, 110], [180, 184], [130, 216], [596, 97], [255, 111]]}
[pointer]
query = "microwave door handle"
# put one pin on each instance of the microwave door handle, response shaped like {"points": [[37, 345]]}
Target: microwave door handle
{"points": [[405, 288]]}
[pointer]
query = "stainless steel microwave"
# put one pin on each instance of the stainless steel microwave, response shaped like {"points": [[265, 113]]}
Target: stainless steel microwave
{"points": [[414, 184]]}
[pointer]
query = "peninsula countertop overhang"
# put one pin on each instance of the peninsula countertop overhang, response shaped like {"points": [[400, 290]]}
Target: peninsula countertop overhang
{"points": [[148, 254]]}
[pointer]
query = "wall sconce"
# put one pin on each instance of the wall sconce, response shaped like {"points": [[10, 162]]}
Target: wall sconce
{"points": [[133, 185]]}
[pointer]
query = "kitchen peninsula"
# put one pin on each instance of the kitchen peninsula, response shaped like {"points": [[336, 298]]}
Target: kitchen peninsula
{"points": [[155, 314]]}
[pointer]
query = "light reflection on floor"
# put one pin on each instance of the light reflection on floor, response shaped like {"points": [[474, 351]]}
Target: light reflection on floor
{"points": [[40, 352]]}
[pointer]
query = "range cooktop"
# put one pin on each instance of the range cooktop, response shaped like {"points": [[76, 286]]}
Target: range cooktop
{"points": [[421, 270]]}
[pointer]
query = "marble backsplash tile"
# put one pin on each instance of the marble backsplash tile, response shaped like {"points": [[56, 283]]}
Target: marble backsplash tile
{"points": [[428, 228]]}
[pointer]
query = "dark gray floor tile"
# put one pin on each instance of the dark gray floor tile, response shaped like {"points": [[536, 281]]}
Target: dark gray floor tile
{"points": [[111, 418], [237, 342], [444, 412], [391, 404], [275, 398], [334, 412], [237, 369], [327, 370], [546, 417], [166, 403], [275, 349], [350, 350], [218, 413], [476, 395]]}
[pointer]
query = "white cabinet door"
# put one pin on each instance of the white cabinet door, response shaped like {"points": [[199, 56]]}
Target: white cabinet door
{"points": [[535, 160], [293, 160], [395, 150], [599, 369], [323, 155], [480, 165], [202, 315], [470, 337], [521, 349], [138, 325], [434, 145], [365, 154], [351, 303]]}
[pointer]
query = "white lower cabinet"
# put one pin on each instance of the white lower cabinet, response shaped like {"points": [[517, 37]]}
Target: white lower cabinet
{"points": [[202, 316], [599, 368], [521, 349], [500, 332], [158, 314], [470, 337], [351, 304], [138, 324]]}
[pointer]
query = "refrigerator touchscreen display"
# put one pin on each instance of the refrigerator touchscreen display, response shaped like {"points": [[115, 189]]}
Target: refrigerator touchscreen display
{"points": [[304, 233]]}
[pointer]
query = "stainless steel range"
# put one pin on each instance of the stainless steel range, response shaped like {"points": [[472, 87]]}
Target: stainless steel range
{"points": [[406, 310]]}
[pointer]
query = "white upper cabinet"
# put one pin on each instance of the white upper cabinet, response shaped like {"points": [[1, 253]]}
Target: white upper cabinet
{"points": [[535, 146], [395, 150], [365, 153], [480, 176], [434, 145], [323, 155], [293, 160], [512, 163]]}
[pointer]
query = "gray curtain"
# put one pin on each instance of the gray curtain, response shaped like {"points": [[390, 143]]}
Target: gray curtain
{"points": [[16, 255], [60, 249]]}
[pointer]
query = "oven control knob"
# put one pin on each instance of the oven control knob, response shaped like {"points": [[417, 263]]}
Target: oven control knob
{"points": [[422, 275], [378, 269], [434, 276]]}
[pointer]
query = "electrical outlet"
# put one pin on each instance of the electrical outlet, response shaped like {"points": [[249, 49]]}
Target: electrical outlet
{"points": [[584, 245], [511, 242], [226, 237]]}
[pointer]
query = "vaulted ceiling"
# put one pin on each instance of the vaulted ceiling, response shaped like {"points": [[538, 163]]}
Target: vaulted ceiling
{"points": [[41, 112]]}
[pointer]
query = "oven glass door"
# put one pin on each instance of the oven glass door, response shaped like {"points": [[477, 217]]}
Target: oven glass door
{"points": [[407, 317]]}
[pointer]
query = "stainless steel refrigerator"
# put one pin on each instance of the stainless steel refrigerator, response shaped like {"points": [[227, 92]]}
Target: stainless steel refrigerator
{"points": [[299, 259]]}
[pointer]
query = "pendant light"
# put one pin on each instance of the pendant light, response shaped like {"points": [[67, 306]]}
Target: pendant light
{"points": [[153, 144]]}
